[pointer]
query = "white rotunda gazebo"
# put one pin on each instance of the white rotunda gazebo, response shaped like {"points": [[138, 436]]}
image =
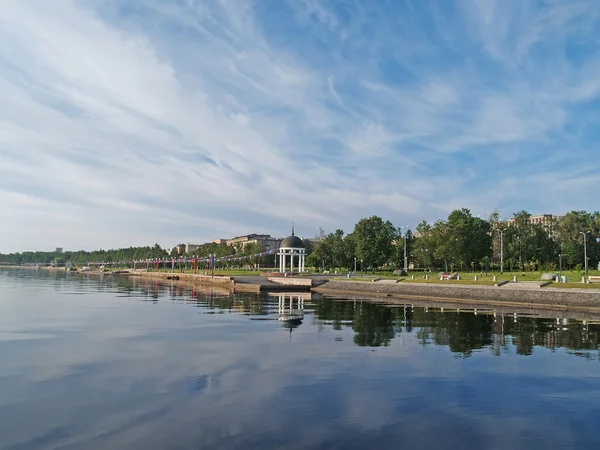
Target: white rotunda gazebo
{"points": [[293, 247]]}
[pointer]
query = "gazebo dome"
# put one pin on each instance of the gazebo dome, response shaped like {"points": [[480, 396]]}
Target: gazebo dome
{"points": [[292, 242], [293, 247]]}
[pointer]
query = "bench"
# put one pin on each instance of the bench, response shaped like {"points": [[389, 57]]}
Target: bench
{"points": [[594, 279], [449, 276]]}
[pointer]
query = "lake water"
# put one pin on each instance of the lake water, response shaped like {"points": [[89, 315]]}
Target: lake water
{"points": [[120, 363]]}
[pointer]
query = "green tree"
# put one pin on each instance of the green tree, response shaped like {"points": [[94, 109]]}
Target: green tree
{"points": [[424, 246], [332, 251], [569, 235], [374, 241]]}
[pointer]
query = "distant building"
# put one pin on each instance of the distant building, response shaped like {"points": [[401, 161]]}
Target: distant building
{"points": [[548, 221], [177, 250], [59, 250], [246, 239], [190, 248], [267, 241], [219, 241]]}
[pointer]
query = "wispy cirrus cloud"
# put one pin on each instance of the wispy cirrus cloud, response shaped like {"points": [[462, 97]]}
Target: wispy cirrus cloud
{"points": [[166, 121]]}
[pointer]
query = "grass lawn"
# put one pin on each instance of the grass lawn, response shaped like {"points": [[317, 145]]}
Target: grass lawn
{"points": [[522, 276], [431, 280], [574, 278]]}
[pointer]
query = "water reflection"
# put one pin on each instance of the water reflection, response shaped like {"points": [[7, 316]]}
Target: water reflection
{"points": [[118, 362], [463, 329]]}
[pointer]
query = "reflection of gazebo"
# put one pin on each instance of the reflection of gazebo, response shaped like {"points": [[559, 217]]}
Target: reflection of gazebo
{"points": [[288, 314], [287, 310], [293, 247]]}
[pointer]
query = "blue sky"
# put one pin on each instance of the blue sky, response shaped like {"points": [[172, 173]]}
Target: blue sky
{"points": [[129, 123]]}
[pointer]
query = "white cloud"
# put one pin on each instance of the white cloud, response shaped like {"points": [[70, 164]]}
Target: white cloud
{"points": [[201, 120]]}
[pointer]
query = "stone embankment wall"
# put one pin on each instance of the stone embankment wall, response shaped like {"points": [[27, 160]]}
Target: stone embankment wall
{"points": [[562, 298], [291, 281], [188, 277]]}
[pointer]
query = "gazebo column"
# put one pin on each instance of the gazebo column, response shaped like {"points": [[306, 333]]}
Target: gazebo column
{"points": [[292, 261]]}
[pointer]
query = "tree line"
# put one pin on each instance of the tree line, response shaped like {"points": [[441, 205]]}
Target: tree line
{"points": [[82, 257], [464, 242], [460, 242]]}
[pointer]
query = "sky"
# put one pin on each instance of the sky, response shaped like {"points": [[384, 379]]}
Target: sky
{"points": [[134, 122]]}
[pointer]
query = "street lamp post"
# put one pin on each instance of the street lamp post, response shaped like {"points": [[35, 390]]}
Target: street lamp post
{"points": [[585, 233], [502, 250], [560, 263], [355, 264], [405, 256], [361, 268]]}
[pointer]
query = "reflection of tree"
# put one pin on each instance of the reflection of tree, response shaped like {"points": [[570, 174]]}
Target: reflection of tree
{"points": [[526, 332], [336, 313], [374, 325], [462, 332], [468, 332]]}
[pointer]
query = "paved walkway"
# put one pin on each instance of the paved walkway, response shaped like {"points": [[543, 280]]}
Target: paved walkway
{"points": [[524, 285], [253, 279]]}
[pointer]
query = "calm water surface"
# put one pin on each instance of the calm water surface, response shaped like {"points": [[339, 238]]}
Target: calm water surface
{"points": [[119, 363]]}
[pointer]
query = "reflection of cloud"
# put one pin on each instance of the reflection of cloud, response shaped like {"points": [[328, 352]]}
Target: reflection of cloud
{"points": [[161, 375], [23, 336]]}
